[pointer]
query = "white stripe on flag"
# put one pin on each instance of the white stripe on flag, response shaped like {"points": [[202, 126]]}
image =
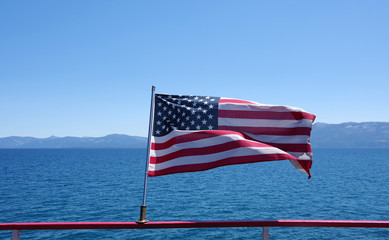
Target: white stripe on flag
{"points": [[171, 135], [257, 107], [302, 139], [302, 155]]}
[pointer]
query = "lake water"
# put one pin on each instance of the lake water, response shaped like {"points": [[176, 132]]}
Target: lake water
{"points": [[98, 185]]}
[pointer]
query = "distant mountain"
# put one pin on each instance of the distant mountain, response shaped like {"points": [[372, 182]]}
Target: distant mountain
{"points": [[324, 135], [109, 141], [350, 135]]}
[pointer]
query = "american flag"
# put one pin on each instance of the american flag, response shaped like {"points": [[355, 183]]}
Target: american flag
{"points": [[196, 133]]}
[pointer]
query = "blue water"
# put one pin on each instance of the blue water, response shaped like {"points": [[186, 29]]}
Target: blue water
{"points": [[56, 185]]}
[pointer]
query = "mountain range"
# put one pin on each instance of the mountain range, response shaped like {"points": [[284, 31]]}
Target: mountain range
{"points": [[324, 135], [350, 135], [109, 141]]}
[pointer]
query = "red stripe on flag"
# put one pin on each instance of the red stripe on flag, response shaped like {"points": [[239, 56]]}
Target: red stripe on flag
{"points": [[306, 165], [222, 162], [265, 115], [198, 135], [269, 130]]}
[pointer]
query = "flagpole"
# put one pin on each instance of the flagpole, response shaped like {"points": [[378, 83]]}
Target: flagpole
{"points": [[142, 218]]}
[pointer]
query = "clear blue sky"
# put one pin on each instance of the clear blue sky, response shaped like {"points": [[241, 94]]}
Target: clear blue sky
{"points": [[85, 68]]}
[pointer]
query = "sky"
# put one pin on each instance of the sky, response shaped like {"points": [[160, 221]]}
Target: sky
{"points": [[86, 68]]}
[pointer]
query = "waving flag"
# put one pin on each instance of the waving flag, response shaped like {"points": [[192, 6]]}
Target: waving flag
{"points": [[196, 133]]}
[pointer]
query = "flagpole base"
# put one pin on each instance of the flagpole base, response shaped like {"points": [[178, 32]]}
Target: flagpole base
{"points": [[142, 219]]}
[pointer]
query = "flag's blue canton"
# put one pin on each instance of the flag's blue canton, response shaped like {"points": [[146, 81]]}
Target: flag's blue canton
{"points": [[184, 113]]}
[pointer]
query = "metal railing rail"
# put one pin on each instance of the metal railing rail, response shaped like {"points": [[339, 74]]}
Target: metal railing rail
{"points": [[265, 224]]}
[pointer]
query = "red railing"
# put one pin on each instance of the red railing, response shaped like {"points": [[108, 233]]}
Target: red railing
{"points": [[201, 224], [17, 227]]}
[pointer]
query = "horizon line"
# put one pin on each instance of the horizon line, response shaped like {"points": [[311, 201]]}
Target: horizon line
{"points": [[54, 136]]}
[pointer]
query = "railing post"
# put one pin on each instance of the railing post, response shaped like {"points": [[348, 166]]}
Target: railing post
{"points": [[16, 234], [265, 233]]}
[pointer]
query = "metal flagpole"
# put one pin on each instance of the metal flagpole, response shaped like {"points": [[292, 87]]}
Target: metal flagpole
{"points": [[142, 218]]}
